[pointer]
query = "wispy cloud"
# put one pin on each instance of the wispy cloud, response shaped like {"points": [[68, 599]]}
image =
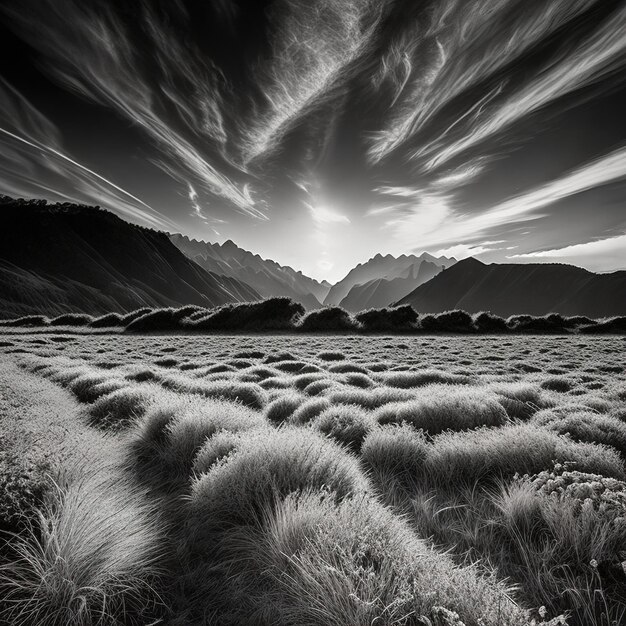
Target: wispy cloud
{"points": [[417, 103], [33, 163], [599, 255], [433, 220]]}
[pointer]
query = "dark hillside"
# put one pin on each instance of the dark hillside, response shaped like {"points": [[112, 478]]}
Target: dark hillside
{"points": [[64, 257]]}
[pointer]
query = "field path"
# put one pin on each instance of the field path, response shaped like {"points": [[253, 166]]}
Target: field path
{"points": [[40, 421]]}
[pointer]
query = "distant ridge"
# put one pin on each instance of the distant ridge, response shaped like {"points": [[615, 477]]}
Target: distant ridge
{"points": [[510, 289], [368, 276], [266, 276], [61, 258]]}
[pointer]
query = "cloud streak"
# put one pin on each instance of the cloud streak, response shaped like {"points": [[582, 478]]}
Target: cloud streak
{"points": [[32, 154], [392, 112]]}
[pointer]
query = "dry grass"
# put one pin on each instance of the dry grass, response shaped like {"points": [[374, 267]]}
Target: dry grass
{"points": [[318, 480]]}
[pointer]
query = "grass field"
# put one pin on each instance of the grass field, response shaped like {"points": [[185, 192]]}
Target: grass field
{"points": [[310, 479]]}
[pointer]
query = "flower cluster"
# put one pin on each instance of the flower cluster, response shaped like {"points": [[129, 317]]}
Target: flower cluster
{"points": [[606, 496]]}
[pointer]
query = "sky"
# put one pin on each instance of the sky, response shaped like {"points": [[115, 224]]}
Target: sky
{"points": [[319, 133]]}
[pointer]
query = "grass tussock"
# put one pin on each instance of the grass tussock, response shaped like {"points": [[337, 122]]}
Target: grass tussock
{"points": [[90, 558], [164, 445], [420, 378], [265, 465], [586, 426], [346, 424], [438, 408], [329, 319]]}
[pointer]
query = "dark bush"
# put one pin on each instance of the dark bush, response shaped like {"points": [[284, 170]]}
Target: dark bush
{"points": [[270, 314], [161, 319], [136, 314], [611, 326], [448, 322], [72, 319], [387, 319], [27, 320], [332, 318], [109, 320], [578, 320], [486, 322], [552, 323]]}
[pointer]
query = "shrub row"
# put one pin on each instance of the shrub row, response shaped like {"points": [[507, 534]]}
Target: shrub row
{"points": [[283, 314]]}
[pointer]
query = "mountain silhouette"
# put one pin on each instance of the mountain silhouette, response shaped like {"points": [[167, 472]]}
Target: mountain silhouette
{"points": [[386, 268], [533, 289], [266, 276], [73, 258], [381, 292]]}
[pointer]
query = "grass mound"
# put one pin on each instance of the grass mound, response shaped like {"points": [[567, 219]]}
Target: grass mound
{"points": [[266, 465], [448, 322], [27, 320], [486, 322], [119, 409], [420, 378], [564, 530], [270, 314], [110, 320], [346, 424], [72, 319], [328, 319], [445, 407], [283, 407], [587, 426], [167, 439], [161, 319]]}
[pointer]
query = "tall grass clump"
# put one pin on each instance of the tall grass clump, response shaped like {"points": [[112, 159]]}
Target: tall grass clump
{"points": [[445, 407], [119, 409], [401, 318], [91, 558], [346, 424], [488, 454], [265, 465], [544, 324], [611, 326], [316, 560], [328, 319], [270, 314], [564, 531], [420, 378], [394, 455], [280, 409], [248, 394], [131, 316], [161, 319], [164, 444], [586, 426]]}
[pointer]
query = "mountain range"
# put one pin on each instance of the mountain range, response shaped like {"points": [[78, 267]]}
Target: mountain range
{"points": [[61, 258], [533, 289], [382, 276], [268, 277]]}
